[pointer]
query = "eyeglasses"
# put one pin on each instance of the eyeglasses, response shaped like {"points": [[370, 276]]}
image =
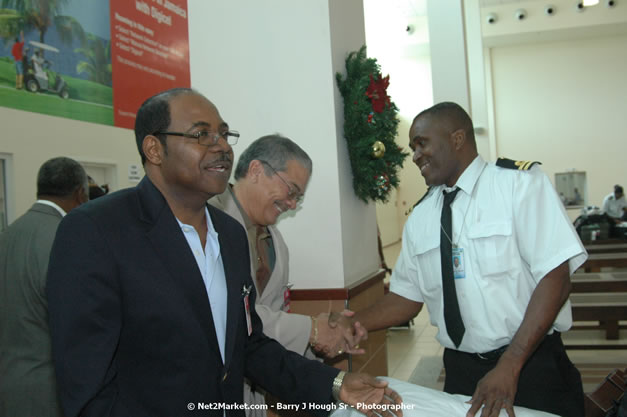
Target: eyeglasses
{"points": [[293, 193], [206, 137]]}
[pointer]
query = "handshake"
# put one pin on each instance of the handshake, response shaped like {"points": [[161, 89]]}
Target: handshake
{"points": [[333, 334]]}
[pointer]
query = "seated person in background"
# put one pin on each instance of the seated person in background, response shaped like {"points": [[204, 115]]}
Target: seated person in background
{"points": [[270, 178], [578, 199], [615, 205], [421, 401], [38, 64]]}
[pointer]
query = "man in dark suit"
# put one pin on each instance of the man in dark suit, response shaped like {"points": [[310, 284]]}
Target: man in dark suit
{"points": [[27, 382], [150, 293]]}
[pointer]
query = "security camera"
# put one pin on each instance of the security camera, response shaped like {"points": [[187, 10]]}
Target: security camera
{"points": [[520, 14], [549, 10], [611, 3], [491, 18], [409, 29], [580, 7]]}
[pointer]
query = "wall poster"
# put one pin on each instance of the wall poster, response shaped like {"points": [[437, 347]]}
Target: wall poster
{"points": [[91, 60]]}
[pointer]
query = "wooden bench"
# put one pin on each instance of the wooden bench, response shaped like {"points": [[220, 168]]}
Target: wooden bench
{"points": [[596, 261], [599, 284], [600, 298], [605, 308], [608, 241], [580, 275], [605, 247]]}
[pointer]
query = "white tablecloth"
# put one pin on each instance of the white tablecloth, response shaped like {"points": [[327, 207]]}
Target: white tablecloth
{"points": [[426, 402]]}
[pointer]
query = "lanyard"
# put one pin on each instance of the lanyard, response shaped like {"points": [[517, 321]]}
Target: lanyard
{"points": [[472, 194]]}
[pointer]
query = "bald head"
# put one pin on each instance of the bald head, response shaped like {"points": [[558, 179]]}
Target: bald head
{"points": [[443, 142], [453, 117]]}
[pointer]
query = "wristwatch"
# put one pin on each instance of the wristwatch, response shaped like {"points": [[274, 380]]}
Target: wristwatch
{"points": [[337, 385]]}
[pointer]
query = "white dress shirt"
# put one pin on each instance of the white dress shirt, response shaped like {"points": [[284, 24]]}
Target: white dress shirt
{"points": [[513, 230], [53, 205], [209, 260], [614, 207]]}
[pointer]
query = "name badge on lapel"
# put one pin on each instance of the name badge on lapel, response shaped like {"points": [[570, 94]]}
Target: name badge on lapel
{"points": [[246, 294], [287, 297]]}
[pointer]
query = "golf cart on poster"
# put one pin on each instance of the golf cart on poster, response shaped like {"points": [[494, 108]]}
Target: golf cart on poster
{"points": [[37, 73]]}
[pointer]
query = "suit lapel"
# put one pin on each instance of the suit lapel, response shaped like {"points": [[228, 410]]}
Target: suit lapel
{"points": [[228, 204], [171, 247], [234, 284]]}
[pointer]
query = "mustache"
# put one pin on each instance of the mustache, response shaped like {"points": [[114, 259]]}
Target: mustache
{"points": [[224, 157]]}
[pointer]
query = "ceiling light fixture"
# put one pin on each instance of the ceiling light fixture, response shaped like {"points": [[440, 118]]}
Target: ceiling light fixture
{"points": [[588, 3]]}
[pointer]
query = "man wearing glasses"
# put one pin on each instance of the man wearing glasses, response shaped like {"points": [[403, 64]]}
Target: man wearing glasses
{"points": [[151, 302], [270, 178]]}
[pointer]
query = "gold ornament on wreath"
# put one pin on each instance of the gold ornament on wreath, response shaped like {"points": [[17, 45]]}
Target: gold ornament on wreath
{"points": [[378, 149]]}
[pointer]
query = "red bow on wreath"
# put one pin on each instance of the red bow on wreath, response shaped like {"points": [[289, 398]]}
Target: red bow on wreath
{"points": [[377, 93]]}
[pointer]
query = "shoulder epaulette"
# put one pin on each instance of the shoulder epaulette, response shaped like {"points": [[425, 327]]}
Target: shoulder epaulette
{"points": [[519, 165], [418, 202]]}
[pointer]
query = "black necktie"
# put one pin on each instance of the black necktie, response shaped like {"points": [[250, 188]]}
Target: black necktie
{"points": [[452, 316]]}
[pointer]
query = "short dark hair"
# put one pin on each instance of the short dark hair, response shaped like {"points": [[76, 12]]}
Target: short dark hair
{"points": [[154, 116], [618, 189], [453, 113], [60, 177], [276, 150]]}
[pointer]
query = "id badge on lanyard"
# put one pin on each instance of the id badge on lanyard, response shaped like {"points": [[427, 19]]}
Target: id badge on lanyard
{"points": [[287, 297], [459, 270]]}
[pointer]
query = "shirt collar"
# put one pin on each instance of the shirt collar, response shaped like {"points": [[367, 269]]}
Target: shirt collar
{"points": [[53, 205], [211, 231], [466, 182]]}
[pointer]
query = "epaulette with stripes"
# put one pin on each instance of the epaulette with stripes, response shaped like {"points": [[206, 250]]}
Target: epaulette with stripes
{"points": [[519, 165]]}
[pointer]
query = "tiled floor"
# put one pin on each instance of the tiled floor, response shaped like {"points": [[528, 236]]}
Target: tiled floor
{"points": [[406, 347]]}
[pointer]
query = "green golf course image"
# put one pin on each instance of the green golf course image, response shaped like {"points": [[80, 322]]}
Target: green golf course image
{"points": [[88, 101]]}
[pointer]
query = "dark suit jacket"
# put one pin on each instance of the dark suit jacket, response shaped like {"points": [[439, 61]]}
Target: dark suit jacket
{"points": [[27, 382], [131, 322]]}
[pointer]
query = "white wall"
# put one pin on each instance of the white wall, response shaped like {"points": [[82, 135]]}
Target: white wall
{"points": [[563, 104], [556, 89], [358, 220], [270, 67], [31, 139], [405, 56]]}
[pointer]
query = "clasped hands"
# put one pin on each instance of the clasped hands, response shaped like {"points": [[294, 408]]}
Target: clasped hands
{"points": [[333, 334]]}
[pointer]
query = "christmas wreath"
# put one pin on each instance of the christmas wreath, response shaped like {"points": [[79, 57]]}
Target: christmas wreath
{"points": [[370, 127]]}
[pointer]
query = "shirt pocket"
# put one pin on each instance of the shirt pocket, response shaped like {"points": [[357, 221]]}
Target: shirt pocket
{"points": [[427, 257], [493, 247]]}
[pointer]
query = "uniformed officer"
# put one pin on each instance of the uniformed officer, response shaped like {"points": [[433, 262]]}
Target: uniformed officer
{"points": [[490, 251]]}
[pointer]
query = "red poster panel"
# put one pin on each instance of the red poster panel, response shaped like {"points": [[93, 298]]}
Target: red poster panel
{"points": [[149, 52]]}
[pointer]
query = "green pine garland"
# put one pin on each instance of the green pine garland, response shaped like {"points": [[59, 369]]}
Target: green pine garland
{"points": [[370, 116]]}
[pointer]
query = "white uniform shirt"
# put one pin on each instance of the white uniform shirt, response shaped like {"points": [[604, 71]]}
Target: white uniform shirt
{"points": [[513, 230], [614, 207]]}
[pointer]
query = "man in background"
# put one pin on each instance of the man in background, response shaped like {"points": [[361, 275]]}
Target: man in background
{"points": [[271, 177], [95, 190], [27, 379], [18, 54], [615, 205]]}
